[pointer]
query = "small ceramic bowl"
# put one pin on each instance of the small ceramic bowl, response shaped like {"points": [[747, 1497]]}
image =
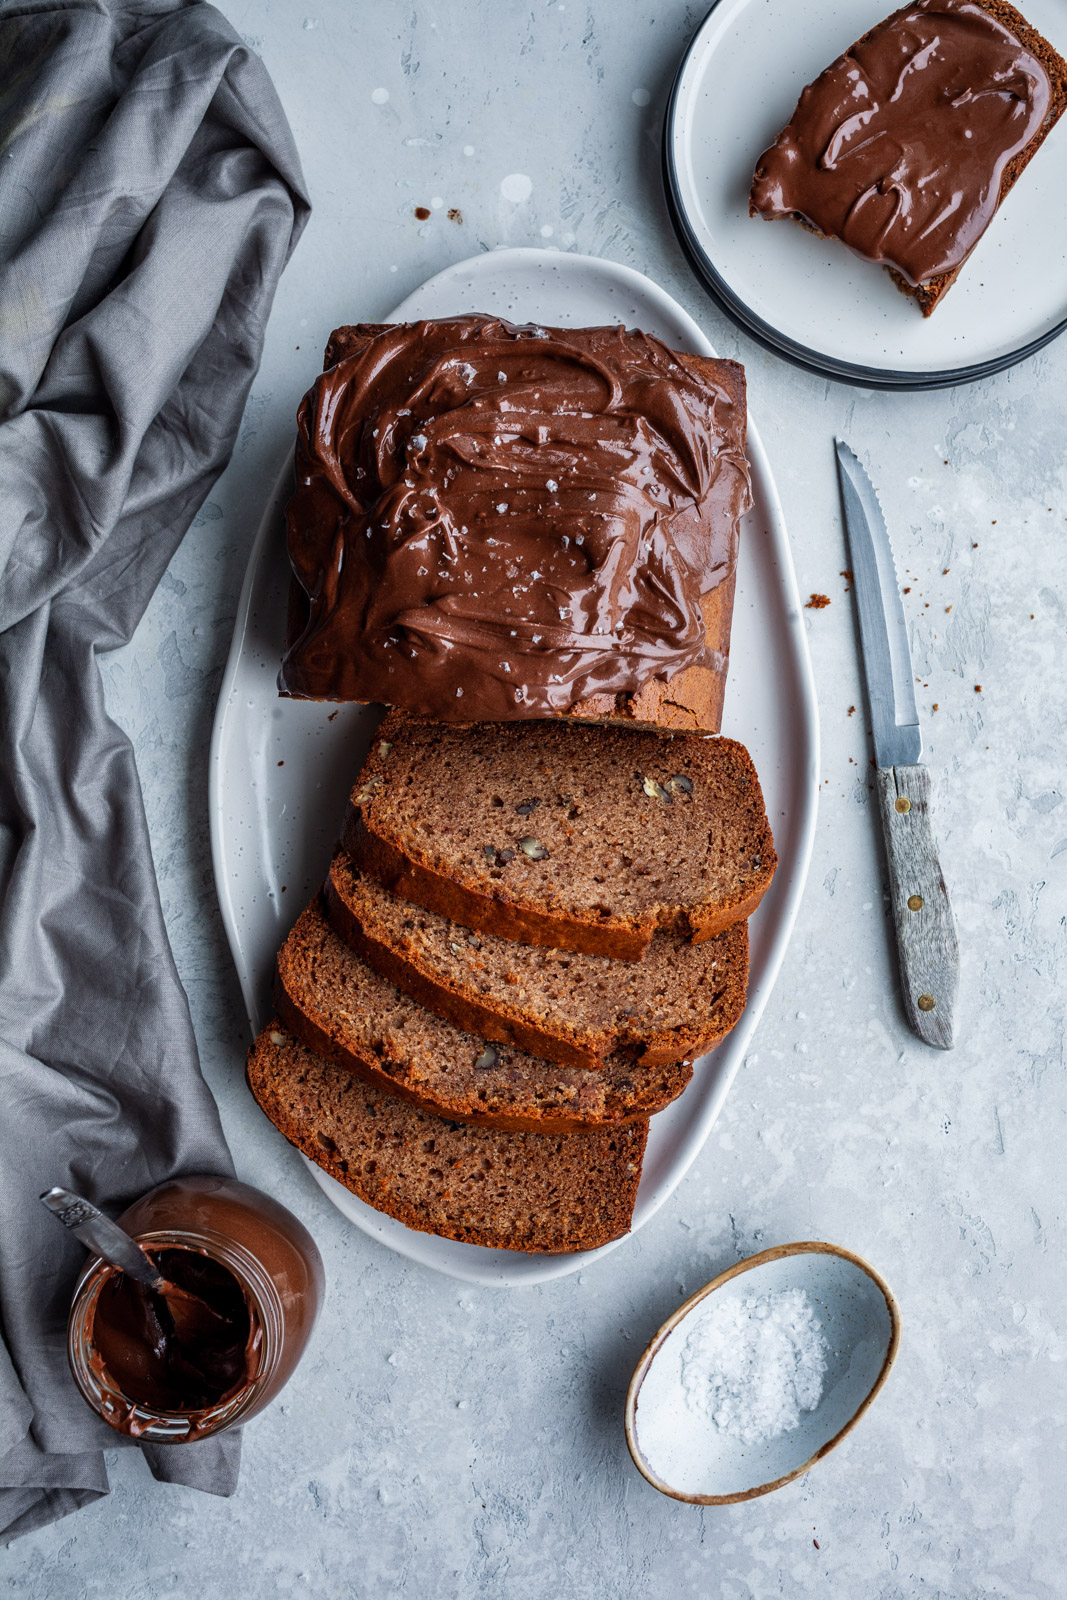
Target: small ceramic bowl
{"points": [[684, 1454]]}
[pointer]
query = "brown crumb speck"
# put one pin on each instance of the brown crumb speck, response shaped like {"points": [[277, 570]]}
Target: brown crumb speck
{"points": [[945, 572], [936, 707], [815, 1542], [908, 589], [978, 688], [331, 716], [948, 608], [423, 213], [281, 763], [455, 214], [817, 602], [851, 710]]}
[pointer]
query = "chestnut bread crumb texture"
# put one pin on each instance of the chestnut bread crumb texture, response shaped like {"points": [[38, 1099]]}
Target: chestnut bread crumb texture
{"points": [[335, 1005], [579, 838], [675, 1004], [505, 1191]]}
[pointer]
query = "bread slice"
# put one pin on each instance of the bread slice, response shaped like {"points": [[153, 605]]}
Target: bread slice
{"points": [[674, 1005], [690, 701], [337, 1006], [931, 291], [581, 838], [506, 1191]]}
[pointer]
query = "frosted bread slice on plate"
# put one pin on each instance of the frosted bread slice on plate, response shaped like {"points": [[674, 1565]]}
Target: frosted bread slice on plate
{"points": [[906, 146]]}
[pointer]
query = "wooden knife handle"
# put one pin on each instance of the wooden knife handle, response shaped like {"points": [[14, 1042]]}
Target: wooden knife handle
{"points": [[927, 947]]}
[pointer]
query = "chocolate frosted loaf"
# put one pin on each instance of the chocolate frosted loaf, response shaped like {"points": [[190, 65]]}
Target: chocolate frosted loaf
{"points": [[906, 145], [500, 522]]}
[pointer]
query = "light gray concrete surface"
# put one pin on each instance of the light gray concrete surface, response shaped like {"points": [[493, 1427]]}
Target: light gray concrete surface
{"points": [[445, 1441]]}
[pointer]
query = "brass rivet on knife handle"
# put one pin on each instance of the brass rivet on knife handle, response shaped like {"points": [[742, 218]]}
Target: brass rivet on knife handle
{"points": [[927, 947]]}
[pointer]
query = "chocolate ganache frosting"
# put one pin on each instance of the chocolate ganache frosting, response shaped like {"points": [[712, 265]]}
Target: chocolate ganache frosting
{"points": [[495, 521], [899, 148]]}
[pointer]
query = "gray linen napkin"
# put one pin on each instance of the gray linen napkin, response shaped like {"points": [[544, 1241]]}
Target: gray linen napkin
{"points": [[150, 195]]}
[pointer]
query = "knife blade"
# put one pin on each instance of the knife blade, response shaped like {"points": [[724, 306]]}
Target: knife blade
{"points": [[927, 944]]}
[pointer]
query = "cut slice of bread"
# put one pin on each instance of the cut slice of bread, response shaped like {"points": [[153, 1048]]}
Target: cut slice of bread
{"points": [[336, 1005], [929, 293], [506, 1191], [674, 1005], [581, 838]]}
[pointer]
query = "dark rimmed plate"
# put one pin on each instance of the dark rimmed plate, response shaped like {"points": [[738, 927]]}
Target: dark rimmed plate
{"points": [[809, 299]]}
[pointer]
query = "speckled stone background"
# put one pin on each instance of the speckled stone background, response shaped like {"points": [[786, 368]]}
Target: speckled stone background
{"points": [[445, 1441]]}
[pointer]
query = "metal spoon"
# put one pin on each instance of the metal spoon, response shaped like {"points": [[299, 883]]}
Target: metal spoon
{"points": [[99, 1233], [181, 1311]]}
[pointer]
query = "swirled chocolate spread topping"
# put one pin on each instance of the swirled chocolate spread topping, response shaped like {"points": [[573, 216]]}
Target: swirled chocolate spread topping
{"points": [[183, 1349], [495, 521], [905, 146]]}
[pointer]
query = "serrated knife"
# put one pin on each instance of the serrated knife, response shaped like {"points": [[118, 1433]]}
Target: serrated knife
{"points": [[927, 947]]}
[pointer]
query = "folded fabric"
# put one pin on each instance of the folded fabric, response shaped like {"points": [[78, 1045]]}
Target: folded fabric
{"points": [[150, 195]]}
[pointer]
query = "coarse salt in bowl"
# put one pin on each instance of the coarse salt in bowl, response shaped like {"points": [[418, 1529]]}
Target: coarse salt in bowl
{"points": [[760, 1373]]}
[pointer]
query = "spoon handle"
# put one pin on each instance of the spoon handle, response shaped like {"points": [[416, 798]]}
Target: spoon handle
{"points": [[99, 1233]]}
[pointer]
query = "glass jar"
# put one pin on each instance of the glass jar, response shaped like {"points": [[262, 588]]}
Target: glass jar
{"points": [[273, 1260]]}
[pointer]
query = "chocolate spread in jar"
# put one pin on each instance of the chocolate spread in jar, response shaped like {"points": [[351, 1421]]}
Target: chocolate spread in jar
{"points": [[495, 521], [184, 1349], [899, 148], [244, 1285]]}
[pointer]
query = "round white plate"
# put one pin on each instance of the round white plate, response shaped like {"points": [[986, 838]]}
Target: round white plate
{"points": [[281, 769], [811, 300]]}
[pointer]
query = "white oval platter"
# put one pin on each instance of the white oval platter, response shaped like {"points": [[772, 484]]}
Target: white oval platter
{"points": [[281, 769]]}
